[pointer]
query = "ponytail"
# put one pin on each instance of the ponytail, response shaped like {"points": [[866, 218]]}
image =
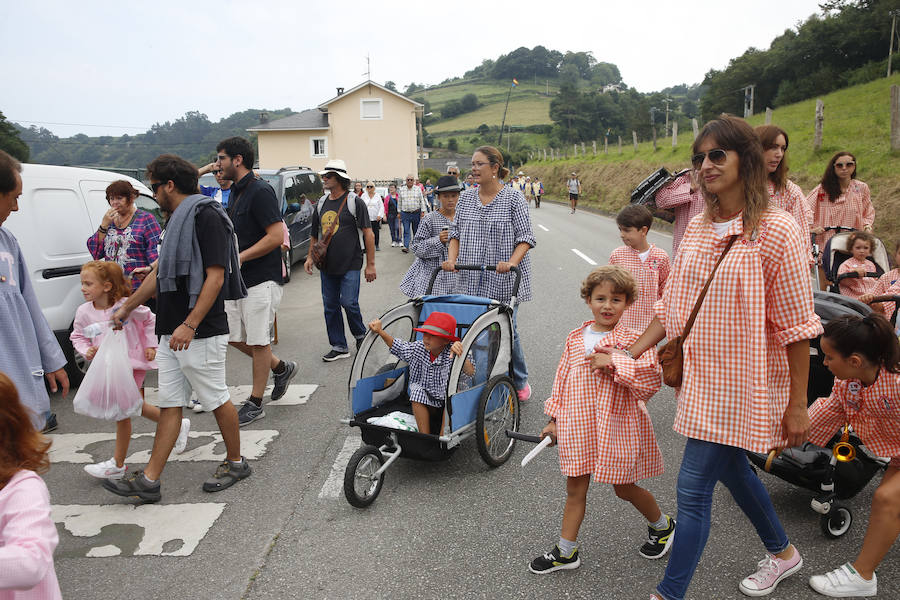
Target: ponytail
{"points": [[871, 337]]}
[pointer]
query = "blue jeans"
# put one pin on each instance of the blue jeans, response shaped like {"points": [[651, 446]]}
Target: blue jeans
{"points": [[410, 221], [705, 464], [341, 291], [519, 368], [395, 229]]}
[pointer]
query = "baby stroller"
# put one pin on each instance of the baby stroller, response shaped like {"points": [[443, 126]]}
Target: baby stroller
{"points": [[837, 250], [483, 405], [645, 193], [841, 469]]}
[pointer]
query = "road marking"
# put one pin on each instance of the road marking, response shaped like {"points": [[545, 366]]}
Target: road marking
{"points": [[334, 485], [542, 227], [584, 257], [295, 394], [168, 529], [74, 447]]}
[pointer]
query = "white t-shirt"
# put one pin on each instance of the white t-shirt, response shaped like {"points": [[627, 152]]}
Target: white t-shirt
{"points": [[592, 338], [721, 228], [643, 255], [375, 204], [573, 186]]}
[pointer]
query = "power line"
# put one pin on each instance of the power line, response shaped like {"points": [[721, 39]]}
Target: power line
{"points": [[74, 124]]}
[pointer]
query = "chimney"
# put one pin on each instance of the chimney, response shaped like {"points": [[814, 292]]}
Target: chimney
{"points": [[263, 118], [340, 91]]}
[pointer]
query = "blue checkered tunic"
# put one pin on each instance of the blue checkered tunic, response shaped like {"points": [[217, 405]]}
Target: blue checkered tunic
{"points": [[488, 235], [427, 378]]}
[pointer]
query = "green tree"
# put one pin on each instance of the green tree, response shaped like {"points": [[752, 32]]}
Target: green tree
{"points": [[10, 141], [391, 86], [469, 102], [452, 144]]}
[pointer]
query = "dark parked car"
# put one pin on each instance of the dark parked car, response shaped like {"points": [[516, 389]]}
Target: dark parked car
{"points": [[298, 189]]}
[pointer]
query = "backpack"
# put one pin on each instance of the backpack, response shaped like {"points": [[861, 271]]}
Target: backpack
{"points": [[351, 207]]}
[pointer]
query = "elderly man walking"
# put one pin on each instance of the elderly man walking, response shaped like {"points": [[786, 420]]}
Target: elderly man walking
{"points": [[412, 209]]}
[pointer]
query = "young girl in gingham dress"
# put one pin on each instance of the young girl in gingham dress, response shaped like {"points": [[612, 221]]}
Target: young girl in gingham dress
{"points": [[861, 245], [864, 355], [886, 285], [600, 420]]}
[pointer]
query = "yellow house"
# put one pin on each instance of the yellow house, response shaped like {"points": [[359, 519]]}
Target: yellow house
{"points": [[369, 127]]}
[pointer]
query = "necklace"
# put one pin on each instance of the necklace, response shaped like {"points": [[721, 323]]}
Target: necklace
{"points": [[729, 217]]}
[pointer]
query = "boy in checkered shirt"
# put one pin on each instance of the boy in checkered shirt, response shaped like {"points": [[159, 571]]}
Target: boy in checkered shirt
{"points": [[599, 418], [648, 263], [429, 362]]}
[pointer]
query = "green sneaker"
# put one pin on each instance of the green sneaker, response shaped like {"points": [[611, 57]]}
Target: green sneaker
{"points": [[658, 540], [554, 561]]}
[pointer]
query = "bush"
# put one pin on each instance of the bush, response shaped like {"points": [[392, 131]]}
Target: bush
{"points": [[452, 144]]}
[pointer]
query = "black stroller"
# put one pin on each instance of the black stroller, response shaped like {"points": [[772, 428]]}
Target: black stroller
{"points": [[837, 250], [844, 467]]}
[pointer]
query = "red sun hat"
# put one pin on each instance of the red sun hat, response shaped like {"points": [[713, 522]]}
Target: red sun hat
{"points": [[441, 325]]}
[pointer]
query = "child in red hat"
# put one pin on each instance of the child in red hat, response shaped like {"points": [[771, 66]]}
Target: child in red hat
{"points": [[429, 362]]}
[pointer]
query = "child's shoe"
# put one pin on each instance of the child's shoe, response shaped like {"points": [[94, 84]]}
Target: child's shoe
{"points": [[182, 440], [525, 393], [554, 561], [106, 470], [658, 540], [771, 570], [844, 581]]}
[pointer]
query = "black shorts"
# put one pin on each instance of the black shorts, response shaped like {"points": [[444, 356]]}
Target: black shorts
{"points": [[573, 196]]}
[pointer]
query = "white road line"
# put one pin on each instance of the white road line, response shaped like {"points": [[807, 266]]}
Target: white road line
{"points": [[334, 485], [584, 257], [542, 227], [74, 447], [180, 526]]}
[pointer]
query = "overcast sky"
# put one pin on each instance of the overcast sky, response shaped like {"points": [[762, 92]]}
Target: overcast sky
{"points": [[114, 67]]}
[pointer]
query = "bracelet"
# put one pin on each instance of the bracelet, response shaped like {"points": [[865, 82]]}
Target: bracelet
{"points": [[186, 324], [103, 229]]}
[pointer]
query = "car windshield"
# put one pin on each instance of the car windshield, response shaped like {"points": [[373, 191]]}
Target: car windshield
{"points": [[272, 180]]}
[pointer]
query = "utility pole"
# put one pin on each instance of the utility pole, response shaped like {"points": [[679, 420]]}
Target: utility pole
{"points": [[421, 114], [667, 101], [503, 122], [894, 13], [749, 92]]}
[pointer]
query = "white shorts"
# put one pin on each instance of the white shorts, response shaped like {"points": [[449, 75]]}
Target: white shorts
{"points": [[200, 368], [250, 319]]}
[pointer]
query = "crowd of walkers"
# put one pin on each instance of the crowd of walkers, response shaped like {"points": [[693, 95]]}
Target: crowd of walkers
{"points": [[735, 303]]}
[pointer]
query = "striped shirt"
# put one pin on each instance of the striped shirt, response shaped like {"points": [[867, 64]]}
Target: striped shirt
{"points": [[411, 199], [853, 209], [651, 279], [602, 423], [427, 378], [489, 234], [736, 373], [677, 196]]}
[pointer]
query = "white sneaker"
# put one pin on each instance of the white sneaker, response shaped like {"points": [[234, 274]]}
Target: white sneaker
{"points": [[181, 442], [106, 470], [196, 406], [844, 582]]}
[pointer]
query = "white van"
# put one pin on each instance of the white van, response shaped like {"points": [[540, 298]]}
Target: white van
{"points": [[59, 210]]}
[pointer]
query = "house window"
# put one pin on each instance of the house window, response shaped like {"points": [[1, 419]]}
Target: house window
{"points": [[318, 147], [370, 109]]}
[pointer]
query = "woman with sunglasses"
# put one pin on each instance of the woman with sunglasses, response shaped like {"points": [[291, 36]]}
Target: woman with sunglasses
{"points": [[840, 199], [783, 193], [375, 204], [745, 359]]}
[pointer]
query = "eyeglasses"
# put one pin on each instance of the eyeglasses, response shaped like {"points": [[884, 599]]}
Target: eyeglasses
{"points": [[155, 186], [845, 165], [716, 157], [478, 165]]}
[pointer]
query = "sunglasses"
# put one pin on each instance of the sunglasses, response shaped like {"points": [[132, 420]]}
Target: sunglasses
{"points": [[716, 157], [156, 186], [328, 175], [370, 187], [845, 165]]}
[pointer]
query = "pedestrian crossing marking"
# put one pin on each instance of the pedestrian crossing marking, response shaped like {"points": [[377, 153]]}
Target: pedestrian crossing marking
{"points": [[180, 527], [74, 447], [334, 485], [295, 395]]}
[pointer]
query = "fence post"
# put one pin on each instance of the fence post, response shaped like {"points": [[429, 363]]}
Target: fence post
{"points": [[820, 123], [594, 146], [634, 137], [605, 144], [654, 139], [582, 149], [620, 144], [674, 134], [575, 150], [768, 116], [695, 127], [895, 117]]}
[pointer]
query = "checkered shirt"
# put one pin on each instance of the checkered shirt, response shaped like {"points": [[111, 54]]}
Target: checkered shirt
{"points": [[736, 374], [853, 209], [651, 278], [889, 283], [602, 424], [873, 412], [427, 378], [792, 200], [411, 199], [430, 253], [488, 235], [857, 286], [677, 196]]}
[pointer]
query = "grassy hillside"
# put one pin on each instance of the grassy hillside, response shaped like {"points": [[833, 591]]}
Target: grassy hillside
{"points": [[857, 119], [523, 111]]}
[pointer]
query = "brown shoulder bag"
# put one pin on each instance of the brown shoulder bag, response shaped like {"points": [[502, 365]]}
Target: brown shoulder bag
{"points": [[671, 358], [319, 250]]}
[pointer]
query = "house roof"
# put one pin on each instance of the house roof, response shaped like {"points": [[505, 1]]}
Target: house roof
{"points": [[325, 104], [312, 118]]}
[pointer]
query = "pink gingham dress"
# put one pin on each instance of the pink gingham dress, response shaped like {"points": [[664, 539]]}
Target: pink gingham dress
{"points": [[853, 209], [857, 286]]}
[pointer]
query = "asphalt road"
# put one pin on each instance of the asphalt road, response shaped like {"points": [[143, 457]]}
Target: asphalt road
{"points": [[455, 529]]}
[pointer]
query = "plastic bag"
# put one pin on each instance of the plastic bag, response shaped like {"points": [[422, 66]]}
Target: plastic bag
{"points": [[395, 420], [108, 390]]}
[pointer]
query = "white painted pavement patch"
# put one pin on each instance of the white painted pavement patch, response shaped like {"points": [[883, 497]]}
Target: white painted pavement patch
{"points": [[334, 485], [72, 447], [584, 257], [168, 529], [296, 394], [542, 227]]}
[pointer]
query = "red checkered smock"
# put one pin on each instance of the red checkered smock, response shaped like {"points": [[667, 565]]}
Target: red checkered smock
{"points": [[889, 283], [651, 278], [853, 209], [857, 286], [792, 200], [873, 412], [677, 196], [602, 423], [736, 377]]}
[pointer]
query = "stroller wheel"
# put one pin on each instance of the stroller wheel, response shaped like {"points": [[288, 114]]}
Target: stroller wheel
{"points": [[360, 486], [837, 522]]}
